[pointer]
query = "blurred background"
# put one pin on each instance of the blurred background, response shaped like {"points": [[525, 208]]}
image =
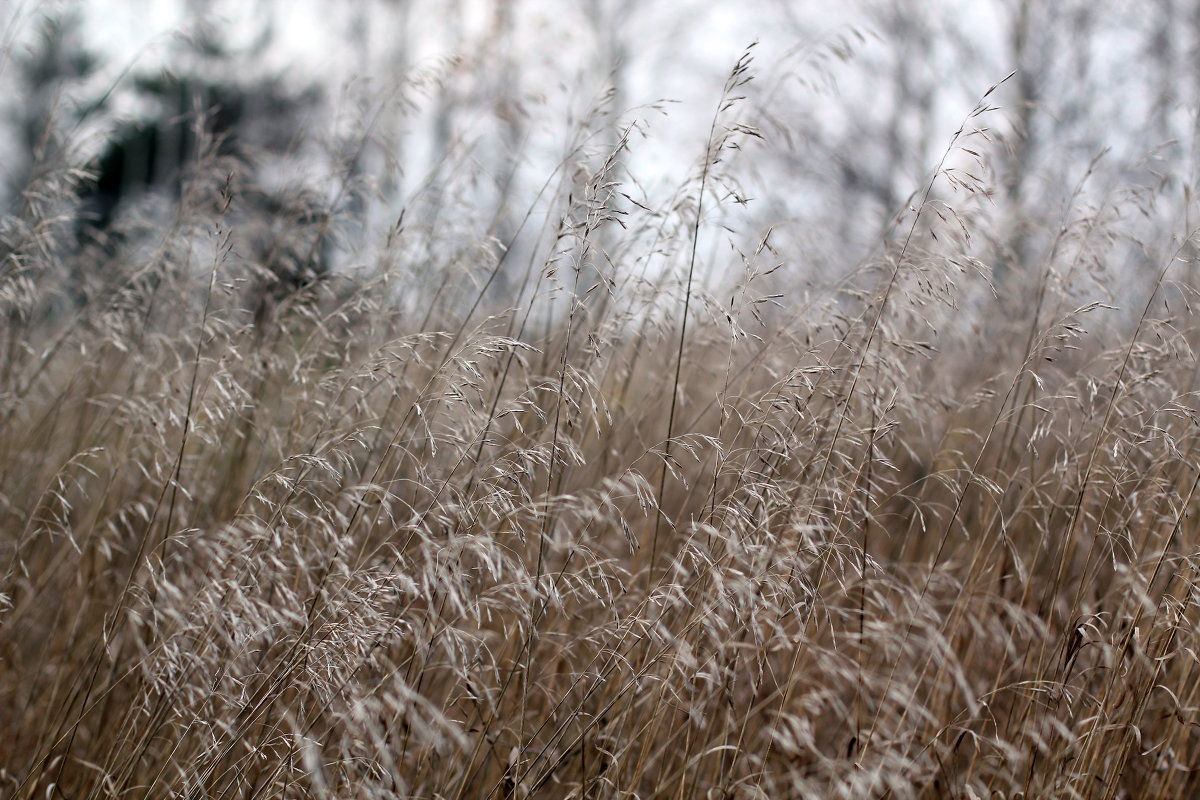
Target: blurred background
{"points": [[384, 106]]}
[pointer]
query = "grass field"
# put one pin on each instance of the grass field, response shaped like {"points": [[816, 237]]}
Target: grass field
{"points": [[638, 509]]}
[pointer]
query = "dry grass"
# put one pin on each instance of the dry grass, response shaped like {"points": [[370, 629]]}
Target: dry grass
{"points": [[376, 536]]}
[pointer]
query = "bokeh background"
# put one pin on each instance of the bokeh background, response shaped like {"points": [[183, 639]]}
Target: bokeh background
{"points": [[855, 101]]}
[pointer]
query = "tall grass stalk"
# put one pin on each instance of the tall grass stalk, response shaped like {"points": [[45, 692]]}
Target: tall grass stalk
{"points": [[562, 517]]}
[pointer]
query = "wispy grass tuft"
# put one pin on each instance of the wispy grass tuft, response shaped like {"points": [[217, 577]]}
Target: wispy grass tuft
{"points": [[609, 508]]}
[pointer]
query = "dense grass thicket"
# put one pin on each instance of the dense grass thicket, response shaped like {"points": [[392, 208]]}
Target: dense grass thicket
{"points": [[633, 503]]}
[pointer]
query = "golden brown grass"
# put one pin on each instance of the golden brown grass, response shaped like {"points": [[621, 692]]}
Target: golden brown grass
{"points": [[627, 537]]}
